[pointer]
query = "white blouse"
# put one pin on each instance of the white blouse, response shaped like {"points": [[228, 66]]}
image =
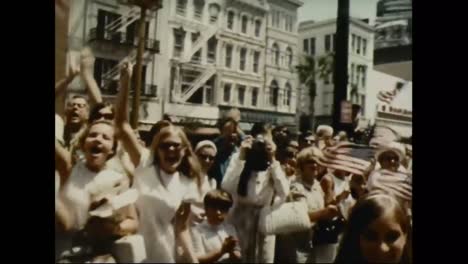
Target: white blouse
{"points": [[207, 238], [261, 185], [157, 205], [76, 195]]}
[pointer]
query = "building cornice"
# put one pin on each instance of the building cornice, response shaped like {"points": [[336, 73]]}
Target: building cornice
{"points": [[310, 24]]}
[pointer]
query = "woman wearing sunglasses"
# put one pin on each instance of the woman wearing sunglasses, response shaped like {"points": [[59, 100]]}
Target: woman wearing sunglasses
{"points": [[206, 152], [168, 179]]}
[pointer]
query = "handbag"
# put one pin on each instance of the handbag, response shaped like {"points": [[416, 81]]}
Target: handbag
{"points": [[288, 217], [327, 231]]}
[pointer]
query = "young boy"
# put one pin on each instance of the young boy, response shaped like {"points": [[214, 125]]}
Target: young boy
{"points": [[214, 239]]}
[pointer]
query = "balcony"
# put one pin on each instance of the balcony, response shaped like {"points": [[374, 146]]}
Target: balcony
{"points": [[120, 38]]}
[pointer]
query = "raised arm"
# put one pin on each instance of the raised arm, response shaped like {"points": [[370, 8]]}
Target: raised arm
{"points": [[125, 131], [62, 85], [63, 162], [235, 167], [87, 67], [328, 188]]}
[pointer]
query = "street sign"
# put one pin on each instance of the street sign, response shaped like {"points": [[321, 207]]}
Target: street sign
{"points": [[346, 112]]}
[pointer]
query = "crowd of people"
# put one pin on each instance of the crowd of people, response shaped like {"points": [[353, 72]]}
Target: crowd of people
{"points": [[176, 200]]}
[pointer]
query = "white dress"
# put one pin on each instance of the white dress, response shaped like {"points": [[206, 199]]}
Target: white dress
{"points": [[157, 205], [256, 248]]}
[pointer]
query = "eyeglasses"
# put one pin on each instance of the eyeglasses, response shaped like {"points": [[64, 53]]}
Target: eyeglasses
{"points": [[77, 105], [167, 146], [206, 157]]}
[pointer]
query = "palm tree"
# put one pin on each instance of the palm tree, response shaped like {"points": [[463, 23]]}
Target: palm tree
{"points": [[308, 76]]}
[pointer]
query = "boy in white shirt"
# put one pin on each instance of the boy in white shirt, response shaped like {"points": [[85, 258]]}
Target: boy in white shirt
{"points": [[214, 239]]}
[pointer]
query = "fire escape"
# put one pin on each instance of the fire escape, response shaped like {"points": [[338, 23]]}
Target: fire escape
{"points": [[193, 55], [115, 34]]}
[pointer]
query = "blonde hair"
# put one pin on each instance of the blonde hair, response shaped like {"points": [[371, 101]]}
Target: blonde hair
{"points": [[190, 166], [311, 153]]}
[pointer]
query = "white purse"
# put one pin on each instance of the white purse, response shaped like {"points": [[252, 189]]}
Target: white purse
{"points": [[289, 217]]}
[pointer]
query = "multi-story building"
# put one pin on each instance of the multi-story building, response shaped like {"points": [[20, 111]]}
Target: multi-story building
{"points": [[393, 23], [317, 39], [393, 38], [202, 57], [110, 29]]}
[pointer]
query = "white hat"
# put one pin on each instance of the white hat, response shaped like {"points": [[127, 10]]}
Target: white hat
{"points": [[325, 130], [394, 147], [205, 143]]}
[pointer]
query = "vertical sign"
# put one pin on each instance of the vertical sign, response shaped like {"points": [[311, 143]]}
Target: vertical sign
{"points": [[346, 112]]}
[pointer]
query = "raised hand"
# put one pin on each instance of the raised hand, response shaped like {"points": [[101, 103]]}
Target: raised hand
{"points": [[245, 146], [87, 62]]}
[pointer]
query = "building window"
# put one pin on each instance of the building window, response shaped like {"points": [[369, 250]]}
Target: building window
{"points": [[363, 76], [256, 61], [241, 94], [208, 94], [327, 43], [254, 96], [228, 55], [181, 7], [179, 36], [275, 51], [334, 42], [211, 56], [244, 24], [227, 92], [358, 51], [287, 98], [274, 93], [243, 57], [358, 73], [306, 46], [353, 42], [364, 47], [199, 4], [289, 55], [352, 73], [105, 19], [230, 20], [258, 27], [214, 12], [363, 104], [312, 46]]}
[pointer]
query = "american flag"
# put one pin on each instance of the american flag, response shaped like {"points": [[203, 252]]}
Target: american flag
{"points": [[386, 96], [347, 156], [398, 184]]}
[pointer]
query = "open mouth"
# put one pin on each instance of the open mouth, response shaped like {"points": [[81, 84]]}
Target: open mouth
{"points": [[95, 150]]}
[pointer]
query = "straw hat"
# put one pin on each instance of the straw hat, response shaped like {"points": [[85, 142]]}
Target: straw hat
{"points": [[395, 147], [324, 130]]}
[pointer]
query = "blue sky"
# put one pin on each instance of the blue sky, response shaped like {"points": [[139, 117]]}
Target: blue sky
{"points": [[318, 10]]}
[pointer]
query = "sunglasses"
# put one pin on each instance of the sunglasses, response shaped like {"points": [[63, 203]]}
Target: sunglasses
{"points": [[206, 157], [108, 116], [167, 146]]}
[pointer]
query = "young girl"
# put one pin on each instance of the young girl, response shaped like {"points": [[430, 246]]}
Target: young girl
{"points": [[74, 203], [168, 180], [253, 177], [378, 231]]}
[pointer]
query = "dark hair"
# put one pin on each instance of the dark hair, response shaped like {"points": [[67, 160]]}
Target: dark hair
{"points": [[255, 160], [366, 210], [156, 128], [93, 114], [223, 121], [218, 199]]}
